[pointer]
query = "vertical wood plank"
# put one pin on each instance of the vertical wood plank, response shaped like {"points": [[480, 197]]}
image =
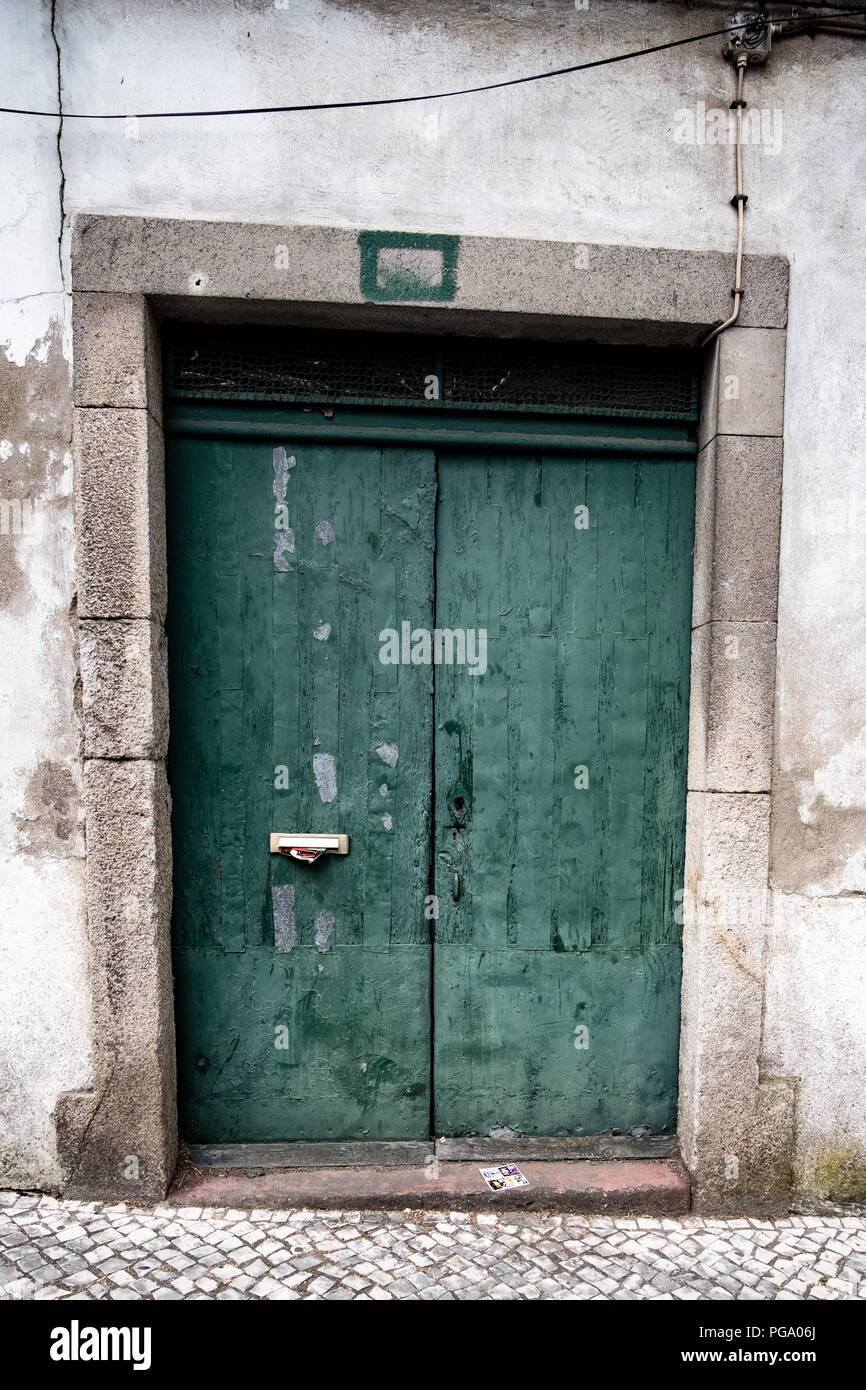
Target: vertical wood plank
{"points": [[576, 849], [286, 753], [669, 500], [229, 932], [408, 505], [529, 922], [253, 748], [356, 644], [196, 741], [622, 853], [462, 481]]}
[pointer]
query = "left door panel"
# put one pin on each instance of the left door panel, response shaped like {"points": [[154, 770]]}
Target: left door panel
{"points": [[302, 991]]}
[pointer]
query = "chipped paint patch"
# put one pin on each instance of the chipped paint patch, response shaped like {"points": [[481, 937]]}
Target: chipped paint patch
{"points": [[26, 340], [283, 541], [283, 903], [388, 752], [842, 779], [854, 871], [383, 790], [49, 820], [324, 929], [325, 532], [387, 821], [322, 632], [282, 464], [36, 568], [325, 774]]}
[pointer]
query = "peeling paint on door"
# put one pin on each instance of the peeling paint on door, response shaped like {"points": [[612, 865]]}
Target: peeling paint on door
{"points": [[325, 774], [324, 930], [389, 753], [285, 931]]}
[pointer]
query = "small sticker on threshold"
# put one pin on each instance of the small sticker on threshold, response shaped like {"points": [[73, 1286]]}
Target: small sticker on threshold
{"points": [[506, 1175]]}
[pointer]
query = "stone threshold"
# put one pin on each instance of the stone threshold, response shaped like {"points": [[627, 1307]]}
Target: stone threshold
{"points": [[646, 1186]]}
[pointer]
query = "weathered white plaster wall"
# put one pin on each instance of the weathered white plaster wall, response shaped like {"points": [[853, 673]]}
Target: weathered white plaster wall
{"points": [[589, 157], [44, 1042], [816, 984]]}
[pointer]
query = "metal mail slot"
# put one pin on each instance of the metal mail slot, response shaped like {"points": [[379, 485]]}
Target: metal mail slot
{"points": [[309, 848]]}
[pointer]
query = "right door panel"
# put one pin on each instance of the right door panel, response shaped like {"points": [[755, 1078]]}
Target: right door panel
{"points": [[560, 787]]}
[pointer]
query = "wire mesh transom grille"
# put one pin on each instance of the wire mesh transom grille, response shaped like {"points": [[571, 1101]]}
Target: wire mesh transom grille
{"points": [[268, 364]]}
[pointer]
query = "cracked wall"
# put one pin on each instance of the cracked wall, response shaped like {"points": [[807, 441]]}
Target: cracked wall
{"points": [[44, 1025]]}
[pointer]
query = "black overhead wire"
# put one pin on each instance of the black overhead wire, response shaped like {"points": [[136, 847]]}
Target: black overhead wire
{"points": [[813, 23]]}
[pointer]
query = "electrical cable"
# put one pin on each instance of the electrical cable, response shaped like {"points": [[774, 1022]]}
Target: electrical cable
{"points": [[372, 101], [394, 101], [740, 199], [819, 25], [792, 29]]}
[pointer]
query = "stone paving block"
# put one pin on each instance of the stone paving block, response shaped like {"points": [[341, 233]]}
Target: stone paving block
{"points": [[175, 1254]]}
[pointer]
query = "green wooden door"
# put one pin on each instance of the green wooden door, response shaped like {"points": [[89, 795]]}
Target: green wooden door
{"points": [[560, 788], [303, 991], [504, 925]]}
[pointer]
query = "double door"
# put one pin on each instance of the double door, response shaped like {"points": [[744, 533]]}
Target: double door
{"points": [[475, 665]]}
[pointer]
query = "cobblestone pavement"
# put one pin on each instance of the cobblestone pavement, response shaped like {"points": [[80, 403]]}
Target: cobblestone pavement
{"points": [[73, 1250]]}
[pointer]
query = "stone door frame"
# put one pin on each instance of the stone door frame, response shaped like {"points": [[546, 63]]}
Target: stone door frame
{"points": [[735, 1125]]}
